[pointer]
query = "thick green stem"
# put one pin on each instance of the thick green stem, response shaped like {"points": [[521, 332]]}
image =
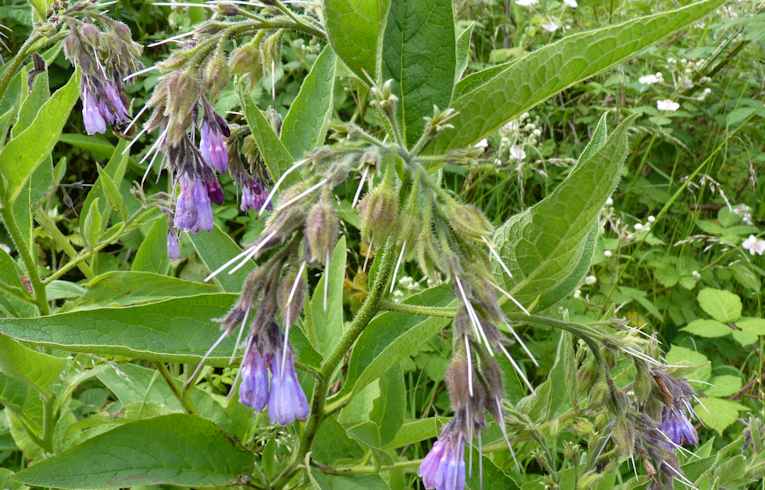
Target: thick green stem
{"points": [[24, 249], [368, 310]]}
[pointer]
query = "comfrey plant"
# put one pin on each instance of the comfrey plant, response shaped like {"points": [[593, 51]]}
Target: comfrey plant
{"points": [[271, 325]]}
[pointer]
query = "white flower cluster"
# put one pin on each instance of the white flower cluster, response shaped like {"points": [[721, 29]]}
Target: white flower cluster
{"points": [[754, 245], [515, 137]]}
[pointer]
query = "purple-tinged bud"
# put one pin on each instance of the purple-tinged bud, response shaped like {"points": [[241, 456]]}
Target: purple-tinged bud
{"points": [[287, 402], [321, 230], [173, 245], [91, 114], [90, 33], [118, 112], [444, 466], [254, 390], [676, 426], [379, 213], [254, 194], [214, 190], [193, 212], [212, 145]]}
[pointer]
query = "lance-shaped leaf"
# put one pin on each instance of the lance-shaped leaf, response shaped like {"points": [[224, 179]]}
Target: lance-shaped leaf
{"points": [[122, 288], [355, 31], [325, 323], [420, 56], [275, 155], [548, 247], [22, 155], [549, 70], [306, 123], [36, 368], [215, 248], [175, 449]]}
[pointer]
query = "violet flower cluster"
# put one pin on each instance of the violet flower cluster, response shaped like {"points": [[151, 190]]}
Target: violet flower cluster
{"points": [[105, 57]]}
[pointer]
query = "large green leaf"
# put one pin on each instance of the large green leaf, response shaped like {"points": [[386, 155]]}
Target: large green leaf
{"points": [[355, 30], [152, 254], [325, 325], [275, 155], [215, 248], [420, 56], [173, 449], [36, 368], [122, 288], [306, 123], [551, 243], [391, 337], [179, 330], [21, 156], [549, 70]]}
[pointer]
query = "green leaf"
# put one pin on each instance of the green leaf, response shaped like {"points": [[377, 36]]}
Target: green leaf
{"points": [[463, 51], [121, 288], [390, 407], [391, 337], [355, 30], [721, 305], [549, 244], [415, 431], [694, 365], [332, 482], [92, 224], [36, 368], [754, 326], [325, 325], [746, 277], [21, 156], [152, 254], [275, 155], [173, 449], [305, 125], [39, 93], [174, 330], [215, 248], [707, 328], [419, 55], [722, 386], [718, 414], [543, 73], [114, 171], [112, 192], [98, 146]]}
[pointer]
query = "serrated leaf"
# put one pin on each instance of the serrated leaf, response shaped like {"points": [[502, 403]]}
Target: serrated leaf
{"points": [[391, 337], [305, 125], [717, 413], [419, 55], [549, 70], [707, 328], [546, 245], [22, 155], [173, 449], [721, 305], [275, 155], [355, 31], [152, 254]]}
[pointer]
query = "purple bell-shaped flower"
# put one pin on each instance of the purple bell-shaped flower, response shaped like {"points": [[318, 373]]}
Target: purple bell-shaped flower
{"points": [[287, 402]]}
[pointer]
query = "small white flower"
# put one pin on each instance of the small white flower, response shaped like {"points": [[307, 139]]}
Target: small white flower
{"points": [[526, 3], [651, 219], [639, 227], [651, 79], [571, 3], [517, 153], [696, 275], [577, 294], [550, 26], [667, 105], [483, 144], [754, 245], [705, 93], [590, 280], [608, 253], [609, 202]]}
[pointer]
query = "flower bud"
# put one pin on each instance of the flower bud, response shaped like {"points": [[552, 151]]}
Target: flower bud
{"points": [[467, 221], [216, 74], [90, 33], [457, 382], [379, 213], [291, 295], [321, 230]]}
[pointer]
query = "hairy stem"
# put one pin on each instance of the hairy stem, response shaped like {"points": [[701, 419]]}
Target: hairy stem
{"points": [[15, 64], [25, 251], [368, 310]]}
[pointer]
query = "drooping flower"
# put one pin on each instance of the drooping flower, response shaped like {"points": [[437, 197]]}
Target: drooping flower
{"points": [[212, 144], [173, 246], [214, 190], [676, 426], [667, 105], [444, 466], [91, 114], [254, 194], [754, 245], [286, 402], [255, 387], [193, 211]]}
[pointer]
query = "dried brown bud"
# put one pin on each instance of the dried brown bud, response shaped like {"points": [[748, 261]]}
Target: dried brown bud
{"points": [[457, 382]]}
